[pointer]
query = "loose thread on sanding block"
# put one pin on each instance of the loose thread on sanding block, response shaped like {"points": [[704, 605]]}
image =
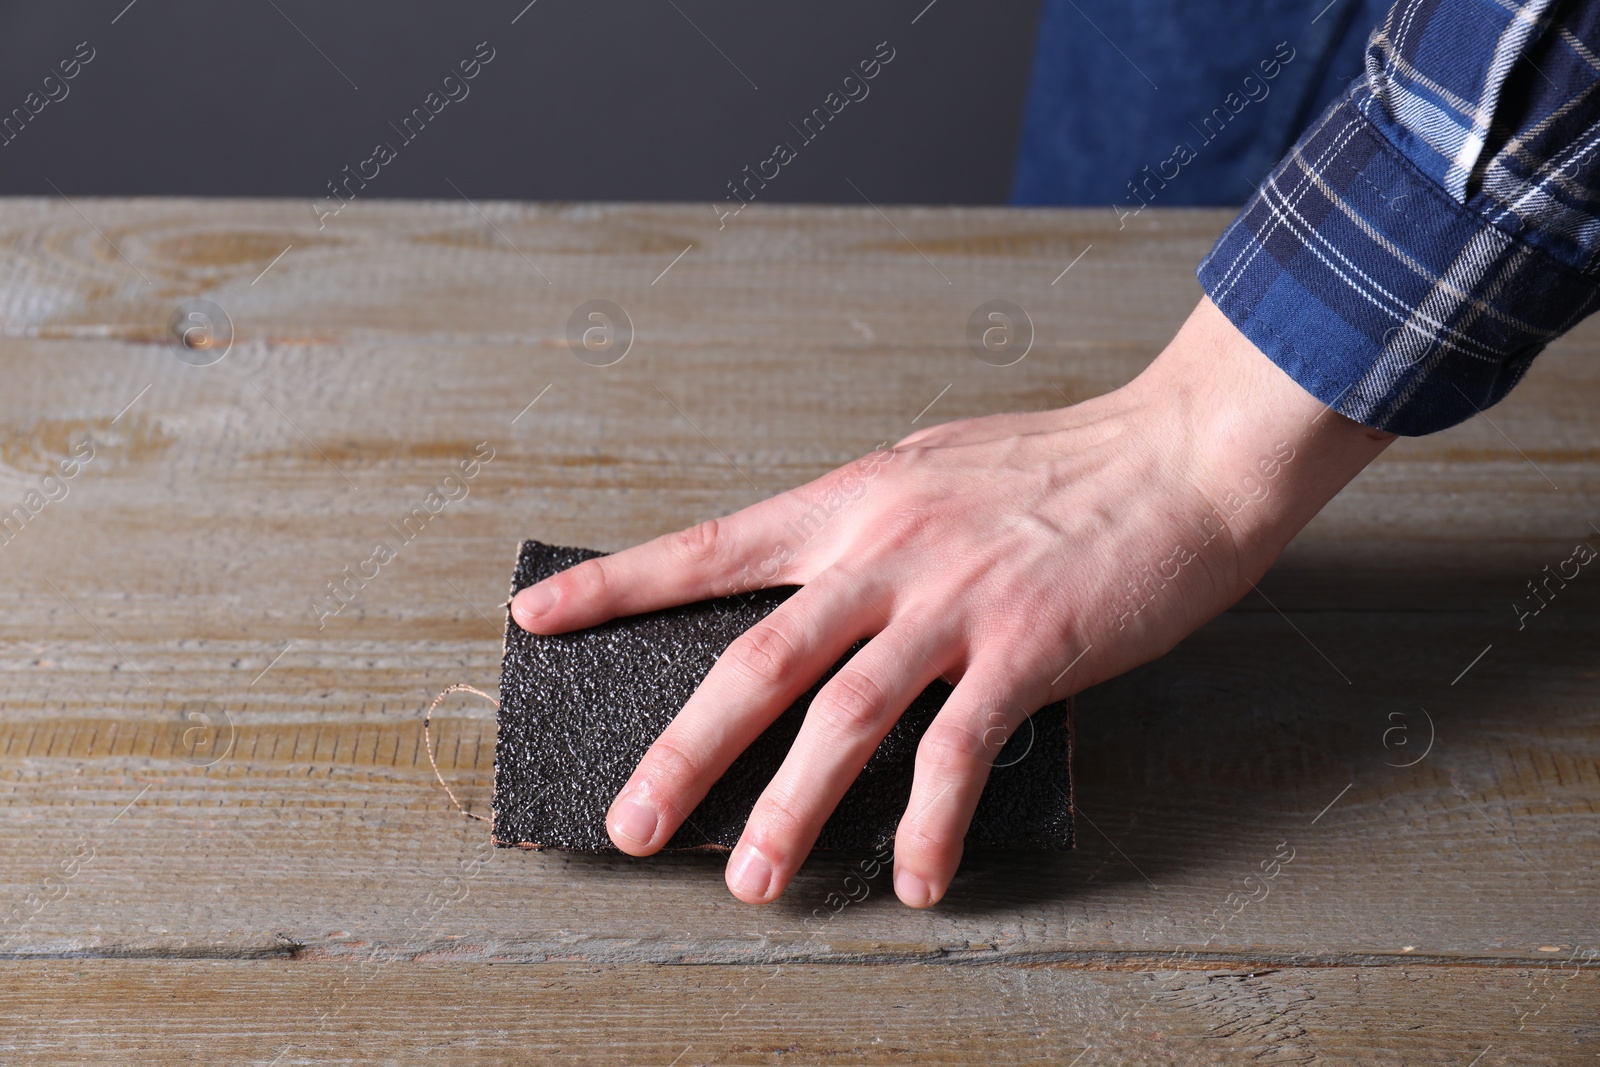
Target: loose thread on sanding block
{"points": [[427, 741]]}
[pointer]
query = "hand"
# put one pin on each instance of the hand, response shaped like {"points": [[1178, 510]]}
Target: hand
{"points": [[994, 552]]}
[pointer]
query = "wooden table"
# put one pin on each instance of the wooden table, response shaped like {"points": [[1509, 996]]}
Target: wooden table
{"points": [[223, 842]]}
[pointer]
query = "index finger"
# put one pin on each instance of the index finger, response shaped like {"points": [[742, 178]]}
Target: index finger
{"points": [[711, 558]]}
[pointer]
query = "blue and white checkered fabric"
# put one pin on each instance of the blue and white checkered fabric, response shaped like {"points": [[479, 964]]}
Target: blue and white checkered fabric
{"points": [[1439, 224]]}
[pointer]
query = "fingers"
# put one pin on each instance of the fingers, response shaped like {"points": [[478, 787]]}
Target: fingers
{"points": [[845, 723], [754, 680], [676, 568], [954, 758]]}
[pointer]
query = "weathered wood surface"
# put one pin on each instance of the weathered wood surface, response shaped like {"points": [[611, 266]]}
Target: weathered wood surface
{"points": [[179, 573], [294, 1013]]}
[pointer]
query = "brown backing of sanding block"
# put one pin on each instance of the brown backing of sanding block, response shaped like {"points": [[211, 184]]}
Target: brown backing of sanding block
{"points": [[578, 710]]}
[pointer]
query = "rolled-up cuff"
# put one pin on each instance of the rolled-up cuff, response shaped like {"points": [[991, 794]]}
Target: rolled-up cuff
{"points": [[1377, 291]]}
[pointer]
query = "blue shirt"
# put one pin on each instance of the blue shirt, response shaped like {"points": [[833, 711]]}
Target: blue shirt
{"points": [[1118, 85], [1436, 225]]}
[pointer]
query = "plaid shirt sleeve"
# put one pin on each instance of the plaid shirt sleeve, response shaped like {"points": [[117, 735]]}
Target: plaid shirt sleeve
{"points": [[1439, 224]]}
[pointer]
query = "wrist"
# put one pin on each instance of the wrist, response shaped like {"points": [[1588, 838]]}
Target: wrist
{"points": [[1263, 453]]}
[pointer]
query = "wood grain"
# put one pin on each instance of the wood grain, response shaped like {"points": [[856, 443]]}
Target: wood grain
{"points": [[179, 576], [291, 1013], [1196, 767]]}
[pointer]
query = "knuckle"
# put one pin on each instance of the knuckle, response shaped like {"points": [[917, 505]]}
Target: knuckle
{"points": [[670, 764], [700, 545], [809, 517], [590, 580], [919, 836], [915, 437], [851, 703], [916, 446], [776, 818], [765, 653], [947, 751]]}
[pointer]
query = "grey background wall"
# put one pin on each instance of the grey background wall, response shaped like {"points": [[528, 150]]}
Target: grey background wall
{"points": [[583, 99]]}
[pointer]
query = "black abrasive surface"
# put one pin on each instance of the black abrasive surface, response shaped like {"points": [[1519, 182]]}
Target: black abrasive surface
{"points": [[578, 710]]}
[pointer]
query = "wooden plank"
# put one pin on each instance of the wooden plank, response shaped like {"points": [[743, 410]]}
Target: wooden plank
{"points": [[180, 575], [795, 339], [322, 813], [288, 1013]]}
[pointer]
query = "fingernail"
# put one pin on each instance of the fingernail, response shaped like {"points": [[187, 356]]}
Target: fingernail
{"points": [[912, 890], [532, 602], [750, 874], [634, 820]]}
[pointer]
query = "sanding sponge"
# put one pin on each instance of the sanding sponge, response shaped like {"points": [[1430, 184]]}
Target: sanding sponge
{"points": [[578, 710]]}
